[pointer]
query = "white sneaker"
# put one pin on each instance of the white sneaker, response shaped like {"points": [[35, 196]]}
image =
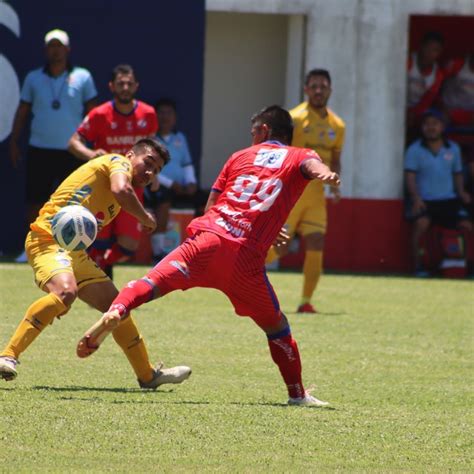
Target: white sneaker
{"points": [[8, 368], [161, 376], [22, 258], [307, 401]]}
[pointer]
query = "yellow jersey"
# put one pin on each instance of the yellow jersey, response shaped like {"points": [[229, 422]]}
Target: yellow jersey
{"points": [[88, 186], [322, 134]]}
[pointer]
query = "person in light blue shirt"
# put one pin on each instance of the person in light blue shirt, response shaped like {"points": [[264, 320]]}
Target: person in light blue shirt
{"points": [[178, 183], [434, 182], [57, 96]]}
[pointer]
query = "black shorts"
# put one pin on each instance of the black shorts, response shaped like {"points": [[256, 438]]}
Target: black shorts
{"points": [[45, 171], [446, 213], [166, 195]]}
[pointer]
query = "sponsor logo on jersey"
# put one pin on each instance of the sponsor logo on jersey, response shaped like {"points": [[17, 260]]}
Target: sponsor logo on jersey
{"points": [[181, 266], [270, 158], [124, 139], [129, 125], [99, 217], [113, 125], [63, 260], [142, 123], [448, 156], [331, 134]]}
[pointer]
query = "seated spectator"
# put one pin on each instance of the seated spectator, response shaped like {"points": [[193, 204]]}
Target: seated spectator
{"points": [[178, 183], [425, 77], [458, 93], [435, 184]]}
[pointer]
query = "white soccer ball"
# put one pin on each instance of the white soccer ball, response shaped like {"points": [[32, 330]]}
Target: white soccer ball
{"points": [[74, 227]]}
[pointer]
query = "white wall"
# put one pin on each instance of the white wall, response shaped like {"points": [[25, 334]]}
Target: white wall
{"points": [[363, 43], [245, 61]]}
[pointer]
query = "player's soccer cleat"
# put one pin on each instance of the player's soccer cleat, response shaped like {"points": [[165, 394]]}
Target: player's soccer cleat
{"points": [[8, 368], [161, 376], [96, 334], [306, 308], [307, 401]]}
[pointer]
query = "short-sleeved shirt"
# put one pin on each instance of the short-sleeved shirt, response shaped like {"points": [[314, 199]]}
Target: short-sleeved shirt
{"points": [[434, 172], [88, 186], [107, 128], [180, 157], [324, 135], [258, 186], [53, 127]]}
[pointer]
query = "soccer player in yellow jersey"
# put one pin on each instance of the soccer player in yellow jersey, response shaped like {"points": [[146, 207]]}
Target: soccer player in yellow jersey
{"points": [[319, 128], [104, 186]]}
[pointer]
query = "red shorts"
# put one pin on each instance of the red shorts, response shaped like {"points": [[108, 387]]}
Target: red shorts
{"points": [[209, 261], [124, 224]]}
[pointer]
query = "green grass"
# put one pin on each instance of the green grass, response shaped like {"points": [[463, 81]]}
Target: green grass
{"points": [[393, 355]]}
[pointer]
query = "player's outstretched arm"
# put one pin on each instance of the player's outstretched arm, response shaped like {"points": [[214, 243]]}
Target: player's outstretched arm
{"points": [[78, 148], [313, 168], [123, 191]]}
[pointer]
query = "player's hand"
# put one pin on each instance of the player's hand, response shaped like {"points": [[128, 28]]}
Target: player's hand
{"points": [[329, 177], [282, 239], [149, 222], [177, 188], [14, 154], [465, 197], [154, 185], [418, 206], [336, 194], [190, 189], [98, 152]]}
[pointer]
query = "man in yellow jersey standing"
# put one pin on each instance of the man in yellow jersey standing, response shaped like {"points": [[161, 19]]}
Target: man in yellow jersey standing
{"points": [[104, 186], [319, 128]]}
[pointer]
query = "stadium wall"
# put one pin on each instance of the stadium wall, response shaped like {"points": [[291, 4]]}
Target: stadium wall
{"points": [[163, 41], [364, 43]]}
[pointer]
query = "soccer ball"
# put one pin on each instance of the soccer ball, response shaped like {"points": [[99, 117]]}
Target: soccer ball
{"points": [[74, 227]]}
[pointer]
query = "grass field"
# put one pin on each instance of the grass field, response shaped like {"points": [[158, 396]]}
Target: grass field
{"points": [[393, 355]]}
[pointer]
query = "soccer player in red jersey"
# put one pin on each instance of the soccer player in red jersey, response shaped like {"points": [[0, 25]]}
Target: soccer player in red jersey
{"points": [[227, 246], [114, 127]]}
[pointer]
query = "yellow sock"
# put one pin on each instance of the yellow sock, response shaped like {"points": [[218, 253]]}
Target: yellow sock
{"points": [[271, 255], [312, 269], [129, 339], [37, 317]]}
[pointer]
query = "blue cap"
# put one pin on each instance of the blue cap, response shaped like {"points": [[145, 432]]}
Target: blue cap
{"points": [[434, 113]]}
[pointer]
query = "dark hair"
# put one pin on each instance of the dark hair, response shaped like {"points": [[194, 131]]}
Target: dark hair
{"points": [[155, 145], [278, 120], [435, 36], [317, 72], [165, 102], [122, 69]]}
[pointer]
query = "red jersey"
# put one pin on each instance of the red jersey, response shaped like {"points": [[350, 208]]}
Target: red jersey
{"points": [[258, 188], [105, 127], [422, 87]]}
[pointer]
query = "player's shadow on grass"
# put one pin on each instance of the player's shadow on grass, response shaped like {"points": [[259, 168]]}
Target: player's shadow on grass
{"points": [[281, 405], [319, 313], [75, 388]]}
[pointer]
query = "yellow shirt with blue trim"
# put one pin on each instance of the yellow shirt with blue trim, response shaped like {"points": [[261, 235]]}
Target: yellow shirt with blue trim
{"points": [[88, 186], [324, 135]]}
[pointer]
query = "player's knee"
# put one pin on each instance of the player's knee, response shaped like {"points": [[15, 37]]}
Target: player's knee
{"points": [[314, 241], [67, 293], [422, 224], [465, 225]]}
